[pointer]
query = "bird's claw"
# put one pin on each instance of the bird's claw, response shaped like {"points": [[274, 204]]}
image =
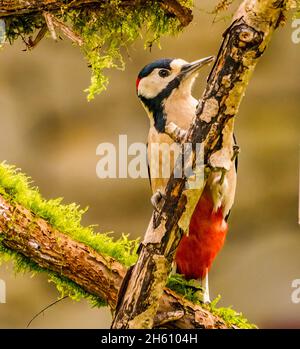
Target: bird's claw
{"points": [[157, 200], [236, 151], [177, 133]]}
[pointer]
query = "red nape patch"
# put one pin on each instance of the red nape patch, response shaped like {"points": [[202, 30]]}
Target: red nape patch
{"points": [[137, 83], [197, 251]]}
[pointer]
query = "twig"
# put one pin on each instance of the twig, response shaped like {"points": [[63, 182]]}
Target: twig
{"points": [[49, 21], [65, 29], [184, 14], [44, 309], [31, 44]]}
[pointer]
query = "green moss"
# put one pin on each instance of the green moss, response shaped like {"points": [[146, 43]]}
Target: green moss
{"points": [[188, 288], [229, 315], [107, 31], [191, 290], [16, 187]]}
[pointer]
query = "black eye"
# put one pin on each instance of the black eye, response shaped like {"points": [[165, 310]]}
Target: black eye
{"points": [[163, 73]]}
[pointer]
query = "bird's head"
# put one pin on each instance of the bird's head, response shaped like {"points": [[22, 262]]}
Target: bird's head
{"points": [[158, 80]]}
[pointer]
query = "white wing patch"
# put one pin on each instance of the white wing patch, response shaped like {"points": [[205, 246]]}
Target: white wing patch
{"points": [[222, 181]]}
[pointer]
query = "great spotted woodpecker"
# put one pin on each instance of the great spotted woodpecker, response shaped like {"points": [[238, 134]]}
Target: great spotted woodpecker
{"points": [[165, 90]]}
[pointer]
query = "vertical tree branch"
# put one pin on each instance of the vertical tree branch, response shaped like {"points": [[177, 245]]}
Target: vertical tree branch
{"points": [[244, 43]]}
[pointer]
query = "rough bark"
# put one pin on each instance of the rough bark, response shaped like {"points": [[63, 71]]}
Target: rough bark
{"points": [[21, 7], [98, 274], [243, 44]]}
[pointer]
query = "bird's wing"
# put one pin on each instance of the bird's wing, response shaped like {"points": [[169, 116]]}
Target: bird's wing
{"points": [[149, 175], [236, 158], [236, 163]]}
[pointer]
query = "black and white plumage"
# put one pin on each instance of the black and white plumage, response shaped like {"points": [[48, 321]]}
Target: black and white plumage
{"points": [[165, 90]]}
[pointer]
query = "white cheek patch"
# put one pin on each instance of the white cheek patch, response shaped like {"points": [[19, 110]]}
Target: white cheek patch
{"points": [[153, 84]]}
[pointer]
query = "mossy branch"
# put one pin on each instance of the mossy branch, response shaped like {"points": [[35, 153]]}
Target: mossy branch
{"points": [[18, 7], [101, 28], [46, 236]]}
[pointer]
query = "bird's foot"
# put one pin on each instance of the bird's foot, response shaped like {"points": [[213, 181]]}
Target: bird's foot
{"points": [[222, 171], [236, 151], [177, 133], [157, 200]]}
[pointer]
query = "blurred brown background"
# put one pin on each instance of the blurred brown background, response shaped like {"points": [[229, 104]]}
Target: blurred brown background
{"points": [[51, 132]]}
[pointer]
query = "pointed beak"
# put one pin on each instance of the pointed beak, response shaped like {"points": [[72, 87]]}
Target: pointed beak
{"points": [[191, 68]]}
